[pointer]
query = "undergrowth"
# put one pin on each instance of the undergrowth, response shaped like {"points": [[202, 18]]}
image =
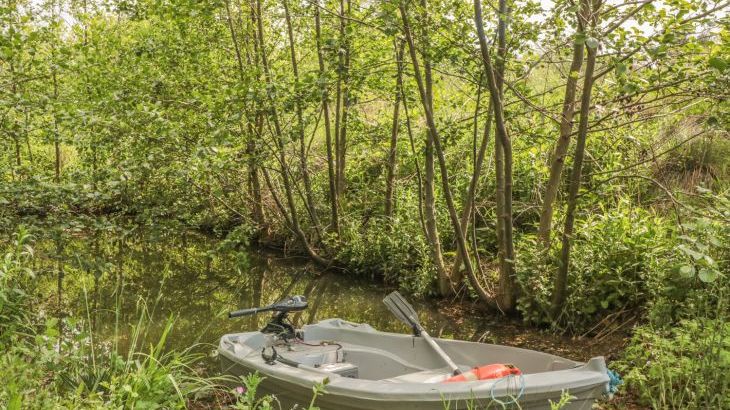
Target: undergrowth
{"points": [[50, 363]]}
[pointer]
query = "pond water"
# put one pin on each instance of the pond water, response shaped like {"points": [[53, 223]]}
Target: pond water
{"points": [[197, 280]]}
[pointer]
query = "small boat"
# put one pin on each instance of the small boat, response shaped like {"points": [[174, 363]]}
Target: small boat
{"points": [[364, 368]]}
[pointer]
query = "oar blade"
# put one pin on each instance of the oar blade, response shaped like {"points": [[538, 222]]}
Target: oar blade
{"points": [[403, 310]]}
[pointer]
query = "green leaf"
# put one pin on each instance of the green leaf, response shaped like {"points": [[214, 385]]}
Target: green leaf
{"points": [[630, 88], [687, 271], [718, 63], [707, 275], [690, 252]]}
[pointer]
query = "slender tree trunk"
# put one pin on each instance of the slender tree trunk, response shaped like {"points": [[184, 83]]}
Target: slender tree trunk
{"points": [[27, 137], [561, 277], [255, 126], [423, 90], [419, 177], [343, 97], [281, 147], [557, 160], [467, 211], [312, 210], [60, 275], [257, 209], [429, 198], [507, 289], [334, 198], [16, 137], [392, 153], [444, 282], [16, 141], [275, 197], [56, 139], [503, 153], [54, 77]]}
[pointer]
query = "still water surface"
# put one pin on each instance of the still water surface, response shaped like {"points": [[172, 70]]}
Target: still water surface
{"points": [[198, 279]]}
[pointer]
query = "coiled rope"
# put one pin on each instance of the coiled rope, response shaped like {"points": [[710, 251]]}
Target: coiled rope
{"points": [[513, 399]]}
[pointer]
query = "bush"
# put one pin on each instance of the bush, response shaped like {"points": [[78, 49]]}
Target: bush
{"points": [[398, 256], [695, 284], [616, 259], [685, 367], [681, 359]]}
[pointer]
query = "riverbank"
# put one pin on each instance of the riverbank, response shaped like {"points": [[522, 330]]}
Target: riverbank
{"points": [[96, 276], [172, 288]]}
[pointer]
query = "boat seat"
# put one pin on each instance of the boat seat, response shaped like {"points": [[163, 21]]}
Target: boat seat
{"points": [[425, 376]]}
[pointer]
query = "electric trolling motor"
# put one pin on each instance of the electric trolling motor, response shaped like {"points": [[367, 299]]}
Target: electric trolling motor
{"points": [[278, 325]]}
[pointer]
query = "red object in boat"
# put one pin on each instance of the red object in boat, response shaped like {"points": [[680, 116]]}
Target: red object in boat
{"points": [[490, 371]]}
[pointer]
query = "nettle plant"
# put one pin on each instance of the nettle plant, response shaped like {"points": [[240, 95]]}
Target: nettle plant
{"points": [[701, 239]]}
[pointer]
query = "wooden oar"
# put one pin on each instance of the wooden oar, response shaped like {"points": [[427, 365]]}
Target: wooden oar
{"points": [[403, 310]]}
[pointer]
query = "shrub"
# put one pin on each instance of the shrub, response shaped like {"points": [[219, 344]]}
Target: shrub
{"points": [[399, 256], [685, 367], [615, 260], [695, 284], [681, 359]]}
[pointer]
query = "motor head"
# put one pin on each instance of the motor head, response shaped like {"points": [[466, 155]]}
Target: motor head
{"points": [[290, 304]]}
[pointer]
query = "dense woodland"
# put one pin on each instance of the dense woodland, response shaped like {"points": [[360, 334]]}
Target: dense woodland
{"points": [[563, 163]]}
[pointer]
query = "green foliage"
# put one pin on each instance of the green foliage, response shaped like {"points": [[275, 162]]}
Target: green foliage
{"points": [[247, 395], [395, 253], [160, 113], [683, 367], [16, 280], [697, 279], [48, 372], [681, 359], [248, 399], [47, 369], [565, 399], [619, 257], [146, 378]]}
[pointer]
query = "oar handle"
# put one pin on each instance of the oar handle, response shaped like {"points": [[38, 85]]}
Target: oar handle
{"points": [[440, 351]]}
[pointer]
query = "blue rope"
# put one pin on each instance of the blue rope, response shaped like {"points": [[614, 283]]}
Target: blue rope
{"points": [[614, 380], [515, 398]]}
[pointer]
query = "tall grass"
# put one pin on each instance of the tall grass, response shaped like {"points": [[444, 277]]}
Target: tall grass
{"points": [[131, 369], [46, 370], [15, 285], [144, 374], [687, 367]]}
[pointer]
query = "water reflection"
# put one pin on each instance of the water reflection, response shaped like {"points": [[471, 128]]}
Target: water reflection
{"points": [[198, 280], [189, 276]]}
